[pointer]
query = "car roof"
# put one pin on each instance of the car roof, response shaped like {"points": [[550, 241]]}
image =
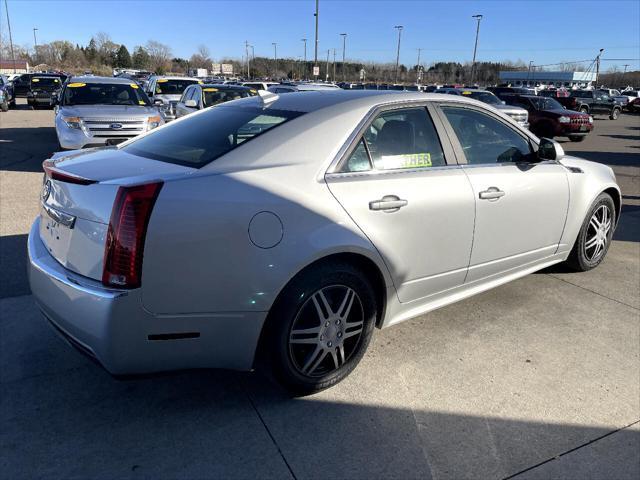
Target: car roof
{"points": [[174, 77], [92, 79], [223, 86], [312, 100]]}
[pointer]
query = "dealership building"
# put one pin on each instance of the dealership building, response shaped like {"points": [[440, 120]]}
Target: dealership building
{"points": [[543, 78]]}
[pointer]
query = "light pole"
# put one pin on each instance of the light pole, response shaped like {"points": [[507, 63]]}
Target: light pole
{"points": [[418, 67], [344, 47], [304, 68], [315, 56], [246, 52], [625, 72], [475, 48], [529, 72], [399, 28], [35, 42], [334, 64], [598, 66], [275, 56], [326, 78]]}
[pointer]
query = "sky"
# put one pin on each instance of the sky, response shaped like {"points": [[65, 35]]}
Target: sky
{"points": [[542, 31]]}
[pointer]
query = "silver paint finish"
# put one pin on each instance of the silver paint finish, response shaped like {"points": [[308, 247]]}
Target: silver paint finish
{"points": [[203, 273]]}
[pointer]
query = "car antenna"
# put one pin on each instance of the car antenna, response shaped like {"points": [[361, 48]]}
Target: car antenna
{"points": [[267, 96]]}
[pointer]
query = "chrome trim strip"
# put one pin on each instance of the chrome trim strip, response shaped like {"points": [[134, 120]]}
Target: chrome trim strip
{"points": [[62, 218]]}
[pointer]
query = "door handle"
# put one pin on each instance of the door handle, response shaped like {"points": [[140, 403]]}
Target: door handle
{"points": [[388, 203], [492, 194]]}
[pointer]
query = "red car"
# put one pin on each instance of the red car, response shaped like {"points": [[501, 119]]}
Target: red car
{"points": [[548, 118], [634, 105]]}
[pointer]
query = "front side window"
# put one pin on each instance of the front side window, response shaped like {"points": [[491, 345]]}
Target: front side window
{"points": [[484, 139], [200, 139]]}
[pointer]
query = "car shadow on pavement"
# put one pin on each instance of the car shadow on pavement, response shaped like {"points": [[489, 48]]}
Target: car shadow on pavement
{"points": [[20, 153], [13, 258], [623, 137], [217, 424]]}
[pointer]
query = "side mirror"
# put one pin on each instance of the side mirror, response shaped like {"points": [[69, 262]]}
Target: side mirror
{"points": [[550, 150], [503, 102], [191, 103]]}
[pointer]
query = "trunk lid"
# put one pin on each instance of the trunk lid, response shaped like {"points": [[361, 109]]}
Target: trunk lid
{"points": [[77, 198]]}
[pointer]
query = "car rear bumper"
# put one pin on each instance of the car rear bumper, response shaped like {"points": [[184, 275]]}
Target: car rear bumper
{"points": [[113, 327]]}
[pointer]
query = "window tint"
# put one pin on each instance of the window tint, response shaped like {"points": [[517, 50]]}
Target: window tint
{"points": [[200, 139], [404, 138], [485, 139], [186, 95], [358, 160]]}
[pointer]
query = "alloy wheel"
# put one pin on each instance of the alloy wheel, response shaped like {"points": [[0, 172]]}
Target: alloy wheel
{"points": [[326, 331], [597, 233]]}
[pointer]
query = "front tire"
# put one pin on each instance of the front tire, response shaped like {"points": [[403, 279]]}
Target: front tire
{"points": [[320, 327], [584, 110], [614, 114], [4, 106], [595, 235]]}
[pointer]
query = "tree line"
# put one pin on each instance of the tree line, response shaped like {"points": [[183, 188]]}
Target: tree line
{"points": [[101, 55]]}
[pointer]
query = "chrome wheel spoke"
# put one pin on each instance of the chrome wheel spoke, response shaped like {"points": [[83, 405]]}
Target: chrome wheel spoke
{"points": [[321, 315], [314, 360], [347, 303], [352, 333], [594, 223], [591, 242], [341, 356]]}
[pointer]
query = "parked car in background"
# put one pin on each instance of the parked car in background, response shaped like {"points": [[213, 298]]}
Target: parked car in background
{"points": [[554, 92], [22, 84], [500, 91], [294, 225], [257, 85], [519, 114], [6, 94], [593, 102], [196, 97], [301, 87], [631, 96], [166, 91], [634, 105], [549, 119], [44, 90], [97, 111]]}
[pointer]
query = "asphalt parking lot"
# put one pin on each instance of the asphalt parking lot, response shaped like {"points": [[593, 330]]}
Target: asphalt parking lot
{"points": [[539, 378]]}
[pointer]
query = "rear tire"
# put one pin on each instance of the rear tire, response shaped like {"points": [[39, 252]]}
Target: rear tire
{"points": [[577, 139], [584, 110], [615, 113], [595, 235], [313, 344], [4, 106]]}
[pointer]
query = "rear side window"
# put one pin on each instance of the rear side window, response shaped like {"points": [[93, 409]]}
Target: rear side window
{"points": [[398, 139], [200, 139]]}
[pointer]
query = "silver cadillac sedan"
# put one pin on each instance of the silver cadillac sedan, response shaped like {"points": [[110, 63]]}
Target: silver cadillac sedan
{"points": [[288, 228]]}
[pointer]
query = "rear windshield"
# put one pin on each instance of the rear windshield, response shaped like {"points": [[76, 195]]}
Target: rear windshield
{"points": [[167, 86], [79, 93], [546, 103], [213, 96], [485, 97], [200, 139], [581, 94]]}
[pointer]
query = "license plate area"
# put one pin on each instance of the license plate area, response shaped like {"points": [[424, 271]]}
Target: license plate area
{"points": [[115, 141], [55, 236], [583, 128]]}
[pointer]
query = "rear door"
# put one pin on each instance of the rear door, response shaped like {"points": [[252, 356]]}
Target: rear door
{"points": [[400, 184], [521, 207]]}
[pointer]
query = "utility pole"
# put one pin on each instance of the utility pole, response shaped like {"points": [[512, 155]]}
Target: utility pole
{"points": [[598, 66], [334, 64], [246, 51], [304, 68], [529, 72], [625, 72], [418, 67], [315, 57], [399, 28], [275, 56], [344, 47], [475, 48], [326, 78], [35, 43], [13, 57]]}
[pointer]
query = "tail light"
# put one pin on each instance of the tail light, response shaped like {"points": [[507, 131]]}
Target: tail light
{"points": [[126, 234]]}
